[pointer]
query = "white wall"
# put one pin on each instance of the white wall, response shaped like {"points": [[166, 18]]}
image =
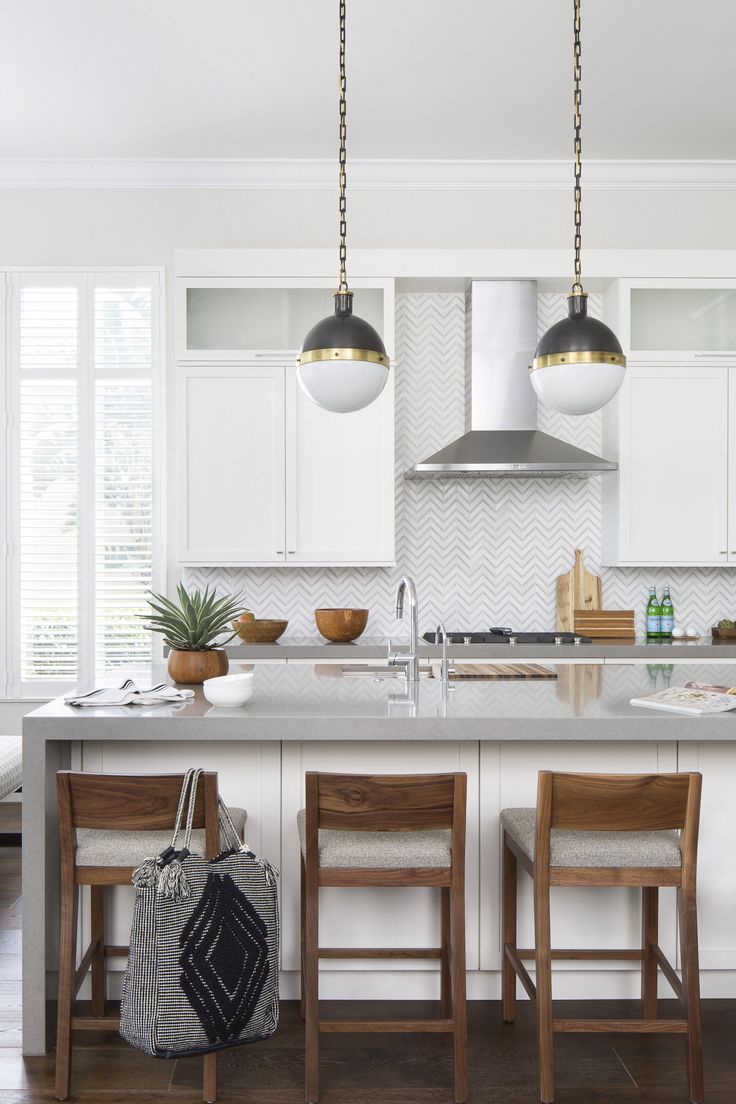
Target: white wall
{"points": [[69, 226]]}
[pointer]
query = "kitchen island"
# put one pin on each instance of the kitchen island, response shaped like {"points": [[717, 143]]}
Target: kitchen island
{"points": [[307, 717]]}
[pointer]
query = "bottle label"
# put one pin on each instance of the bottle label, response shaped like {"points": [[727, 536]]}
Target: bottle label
{"points": [[653, 624], [667, 623]]}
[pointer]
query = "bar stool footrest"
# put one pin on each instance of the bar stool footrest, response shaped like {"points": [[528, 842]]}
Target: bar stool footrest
{"points": [[380, 952], [629, 1027], [339, 1027]]}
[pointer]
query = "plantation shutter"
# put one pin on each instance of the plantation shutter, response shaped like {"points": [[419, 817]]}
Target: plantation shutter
{"points": [[84, 513]]}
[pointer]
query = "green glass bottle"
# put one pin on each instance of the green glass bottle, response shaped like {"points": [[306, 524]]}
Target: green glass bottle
{"points": [[666, 616], [653, 616]]}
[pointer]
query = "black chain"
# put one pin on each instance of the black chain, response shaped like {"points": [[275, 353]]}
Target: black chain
{"points": [[577, 286], [343, 180]]}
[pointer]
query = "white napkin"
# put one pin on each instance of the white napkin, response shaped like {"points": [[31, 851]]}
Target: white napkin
{"points": [[129, 694]]}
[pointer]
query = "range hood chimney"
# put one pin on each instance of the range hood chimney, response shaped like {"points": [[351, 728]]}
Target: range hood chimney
{"points": [[502, 438]]}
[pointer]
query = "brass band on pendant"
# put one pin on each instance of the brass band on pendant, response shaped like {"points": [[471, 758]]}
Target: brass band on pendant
{"points": [[309, 356], [583, 356]]}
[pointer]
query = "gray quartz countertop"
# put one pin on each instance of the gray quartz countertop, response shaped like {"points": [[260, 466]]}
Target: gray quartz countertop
{"points": [[368, 647], [318, 702]]}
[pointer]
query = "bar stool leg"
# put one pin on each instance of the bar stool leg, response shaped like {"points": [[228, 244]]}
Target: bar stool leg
{"points": [[649, 940], [97, 925], [67, 969], [543, 961], [302, 937], [688, 916], [457, 970], [311, 988], [445, 936], [209, 1078], [508, 907]]}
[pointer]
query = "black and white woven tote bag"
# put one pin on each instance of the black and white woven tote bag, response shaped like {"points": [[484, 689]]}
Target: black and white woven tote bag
{"points": [[203, 967]]}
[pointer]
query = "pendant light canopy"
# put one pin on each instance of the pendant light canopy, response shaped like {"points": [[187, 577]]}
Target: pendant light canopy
{"points": [[579, 364], [342, 365]]}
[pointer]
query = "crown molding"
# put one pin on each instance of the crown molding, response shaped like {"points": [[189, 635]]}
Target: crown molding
{"points": [[435, 175]]}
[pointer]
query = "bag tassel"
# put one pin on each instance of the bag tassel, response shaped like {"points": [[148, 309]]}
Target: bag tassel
{"points": [[173, 883], [145, 874]]}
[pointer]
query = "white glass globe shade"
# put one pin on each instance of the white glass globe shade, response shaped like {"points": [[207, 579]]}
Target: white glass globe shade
{"points": [[342, 386], [577, 388]]}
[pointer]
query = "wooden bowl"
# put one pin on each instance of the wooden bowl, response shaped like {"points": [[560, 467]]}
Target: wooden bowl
{"points": [[723, 634], [260, 631], [341, 625]]}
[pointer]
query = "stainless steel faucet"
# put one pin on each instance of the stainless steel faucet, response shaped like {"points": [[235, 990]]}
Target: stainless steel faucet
{"points": [[441, 634], [408, 660]]}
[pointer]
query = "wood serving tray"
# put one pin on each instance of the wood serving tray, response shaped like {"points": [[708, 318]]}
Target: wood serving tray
{"points": [[501, 671]]}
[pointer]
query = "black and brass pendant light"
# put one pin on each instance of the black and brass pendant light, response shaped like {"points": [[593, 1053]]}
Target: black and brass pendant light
{"points": [[342, 365], [578, 364]]}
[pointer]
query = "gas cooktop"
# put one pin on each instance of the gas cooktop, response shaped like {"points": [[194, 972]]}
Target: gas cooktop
{"points": [[497, 635]]}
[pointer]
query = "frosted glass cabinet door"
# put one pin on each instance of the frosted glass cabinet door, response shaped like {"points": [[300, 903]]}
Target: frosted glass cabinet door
{"points": [[673, 478], [698, 319], [230, 464], [340, 480]]}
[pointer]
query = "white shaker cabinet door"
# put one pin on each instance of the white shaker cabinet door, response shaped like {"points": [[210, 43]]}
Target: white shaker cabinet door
{"points": [[340, 480], [673, 477], [230, 464]]}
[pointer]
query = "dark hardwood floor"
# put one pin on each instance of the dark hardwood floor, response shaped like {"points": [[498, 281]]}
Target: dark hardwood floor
{"points": [[367, 1069]]}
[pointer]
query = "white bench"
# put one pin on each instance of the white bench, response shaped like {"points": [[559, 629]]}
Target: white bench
{"points": [[11, 777]]}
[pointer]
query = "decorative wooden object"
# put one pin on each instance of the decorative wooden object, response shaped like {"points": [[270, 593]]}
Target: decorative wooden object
{"points": [[723, 634], [578, 589], [462, 671], [195, 667], [341, 625], [605, 624], [398, 803], [579, 684], [117, 803], [260, 631], [608, 802]]}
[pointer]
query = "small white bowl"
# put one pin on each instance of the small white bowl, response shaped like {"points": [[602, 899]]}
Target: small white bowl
{"points": [[229, 690]]}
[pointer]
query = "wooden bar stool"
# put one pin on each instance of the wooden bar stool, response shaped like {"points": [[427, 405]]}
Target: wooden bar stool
{"points": [[607, 830], [385, 830], [107, 824]]}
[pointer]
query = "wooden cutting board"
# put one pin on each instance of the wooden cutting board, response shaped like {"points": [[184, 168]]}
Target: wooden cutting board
{"points": [[577, 590], [602, 624], [500, 671]]}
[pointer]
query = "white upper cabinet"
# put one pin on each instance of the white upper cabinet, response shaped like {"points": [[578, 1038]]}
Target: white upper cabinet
{"points": [[266, 477], [236, 319], [668, 503], [231, 464], [666, 320], [672, 427], [340, 480]]}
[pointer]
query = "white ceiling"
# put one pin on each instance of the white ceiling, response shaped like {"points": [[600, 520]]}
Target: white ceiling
{"points": [[426, 78]]}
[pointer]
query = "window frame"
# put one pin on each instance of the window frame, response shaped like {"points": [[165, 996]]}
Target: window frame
{"points": [[86, 279]]}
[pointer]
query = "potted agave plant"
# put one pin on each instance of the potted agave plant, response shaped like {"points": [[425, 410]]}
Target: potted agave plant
{"points": [[190, 629]]}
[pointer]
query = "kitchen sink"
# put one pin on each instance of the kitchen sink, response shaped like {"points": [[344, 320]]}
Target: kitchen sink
{"points": [[365, 670]]}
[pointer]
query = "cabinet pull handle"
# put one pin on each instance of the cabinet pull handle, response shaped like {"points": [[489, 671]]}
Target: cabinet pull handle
{"points": [[279, 551], [292, 551], [723, 552]]}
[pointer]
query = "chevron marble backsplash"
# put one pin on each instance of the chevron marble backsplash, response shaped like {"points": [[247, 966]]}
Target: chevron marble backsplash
{"points": [[482, 551]]}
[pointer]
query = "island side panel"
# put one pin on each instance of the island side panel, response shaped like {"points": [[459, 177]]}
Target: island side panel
{"points": [[374, 917], [582, 918], [716, 863], [40, 885]]}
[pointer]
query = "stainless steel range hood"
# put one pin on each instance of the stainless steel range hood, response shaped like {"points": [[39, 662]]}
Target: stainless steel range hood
{"points": [[503, 439]]}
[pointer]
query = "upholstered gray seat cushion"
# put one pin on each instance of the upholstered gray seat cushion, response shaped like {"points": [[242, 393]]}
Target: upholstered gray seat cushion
{"points": [[573, 848], [379, 850], [102, 847], [11, 768]]}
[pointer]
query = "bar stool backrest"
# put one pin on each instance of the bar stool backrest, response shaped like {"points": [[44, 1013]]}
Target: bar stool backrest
{"points": [[131, 802], [618, 803], [385, 802]]}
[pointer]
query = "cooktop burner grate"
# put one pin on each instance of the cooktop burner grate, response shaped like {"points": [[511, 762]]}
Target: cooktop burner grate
{"points": [[508, 636]]}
